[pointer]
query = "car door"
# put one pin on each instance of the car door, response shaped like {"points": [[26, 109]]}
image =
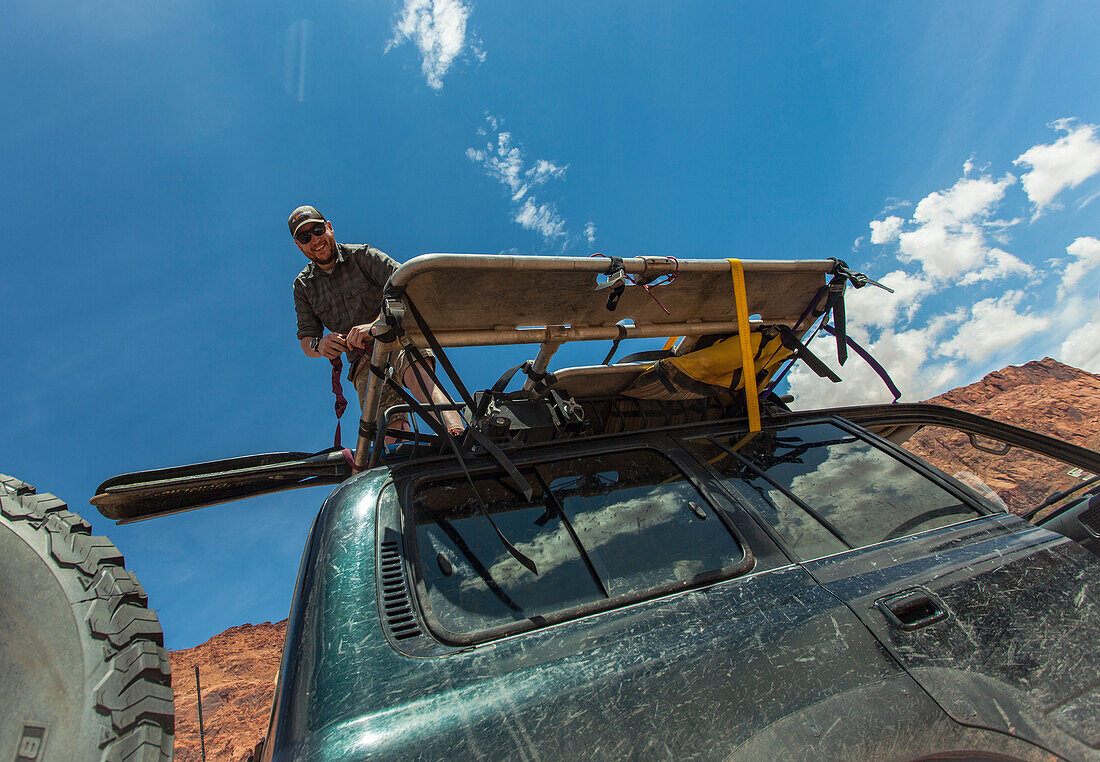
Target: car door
{"points": [[995, 618]]}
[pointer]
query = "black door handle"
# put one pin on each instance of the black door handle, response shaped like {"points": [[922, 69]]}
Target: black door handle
{"points": [[912, 609]]}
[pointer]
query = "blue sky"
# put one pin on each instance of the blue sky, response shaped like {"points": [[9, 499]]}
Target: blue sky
{"points": [[152, 153]]}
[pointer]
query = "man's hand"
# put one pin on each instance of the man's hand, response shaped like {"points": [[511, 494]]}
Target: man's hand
{"points": [[332, 345], [359, 336]]}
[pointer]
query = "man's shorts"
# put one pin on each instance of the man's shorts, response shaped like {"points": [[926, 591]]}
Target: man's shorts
{"points": [[400, 362]]}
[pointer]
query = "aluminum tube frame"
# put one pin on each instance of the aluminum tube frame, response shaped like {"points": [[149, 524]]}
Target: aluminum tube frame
{"points": [[636, 266], [554, 334], [542, 361], [596, 265], [563, 334]]}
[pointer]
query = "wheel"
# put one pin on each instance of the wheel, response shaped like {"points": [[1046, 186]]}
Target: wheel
{"points": [[83, 670]]}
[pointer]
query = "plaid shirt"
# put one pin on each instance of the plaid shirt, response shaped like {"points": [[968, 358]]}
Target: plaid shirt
{"points": [[349, 295]]}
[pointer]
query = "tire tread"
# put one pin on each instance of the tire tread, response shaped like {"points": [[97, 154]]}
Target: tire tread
{"points": [[133, 687]]}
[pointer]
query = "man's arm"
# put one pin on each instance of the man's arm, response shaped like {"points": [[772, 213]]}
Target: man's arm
{"points": [[309, 328], [379, 266], [359, 335], [330, 346]]}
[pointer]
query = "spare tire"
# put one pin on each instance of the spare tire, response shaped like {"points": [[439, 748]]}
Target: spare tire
{"points": [[83, 670]]}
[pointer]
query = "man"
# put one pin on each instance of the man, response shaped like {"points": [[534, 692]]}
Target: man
{"points": [[341, 290]]}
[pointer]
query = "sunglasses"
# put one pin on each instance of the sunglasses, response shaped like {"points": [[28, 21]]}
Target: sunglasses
{"points": [[306, 235]]}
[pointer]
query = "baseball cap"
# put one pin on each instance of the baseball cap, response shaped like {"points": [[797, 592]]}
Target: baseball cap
{"points": [[302, 215]]}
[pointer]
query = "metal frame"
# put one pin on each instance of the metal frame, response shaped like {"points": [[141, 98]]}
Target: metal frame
{"points": [[551, 337]]}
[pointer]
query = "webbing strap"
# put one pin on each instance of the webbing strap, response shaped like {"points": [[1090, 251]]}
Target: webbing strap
{"points": [[867, 358], [615, 344], [653, 354], [802, 352], [341, 401], [419, 408], [741, 302], [426, 332], [471, 431]]}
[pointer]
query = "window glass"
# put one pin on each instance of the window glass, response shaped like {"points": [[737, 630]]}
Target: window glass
{"points": [[863, 493], [807, 537], [472, 581], [1016, 479], [642, 524], [599, 527]]}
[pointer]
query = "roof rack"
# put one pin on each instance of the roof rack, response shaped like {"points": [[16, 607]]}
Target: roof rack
{"points": [[455, 300], [462, 300]]}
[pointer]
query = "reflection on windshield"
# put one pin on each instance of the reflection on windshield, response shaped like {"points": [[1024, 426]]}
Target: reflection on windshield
{"points": [[602, 527], [824, 489]]}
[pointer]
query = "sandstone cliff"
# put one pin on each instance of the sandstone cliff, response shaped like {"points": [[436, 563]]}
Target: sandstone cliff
{"points": [[237, 672]]}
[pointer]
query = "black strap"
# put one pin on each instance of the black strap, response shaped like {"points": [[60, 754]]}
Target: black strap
{"points": [[419, 360], [616, 281], [858, 280], [842, 275], [822, 303], [867, 358], [500, 385], [802, 352], [836, 299], [439, 353], [471, 430], [653, 354], [543, 381], [662, 376], [615, 345], [474, 561], [439, 429]]}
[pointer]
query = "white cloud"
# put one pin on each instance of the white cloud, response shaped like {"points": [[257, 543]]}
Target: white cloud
{"points": [[542, 218], [873, 307], [948, 238], [1000, 264], [904, 355], [993, 324], [478, 49], [922, 361], [1087, 200], [944, 325], [506, 163], [1065, 163], [590, 231], [438, 29], [1081, 348], [545, 170], [1086, 257], [503, 162], [887, 230]]}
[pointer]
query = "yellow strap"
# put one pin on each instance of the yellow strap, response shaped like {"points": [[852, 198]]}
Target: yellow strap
{"points": [[671, 342], [748, 366]]}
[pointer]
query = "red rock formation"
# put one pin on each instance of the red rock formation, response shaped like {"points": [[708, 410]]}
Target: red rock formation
{"points": [[237, 672], [1044, 396]]}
